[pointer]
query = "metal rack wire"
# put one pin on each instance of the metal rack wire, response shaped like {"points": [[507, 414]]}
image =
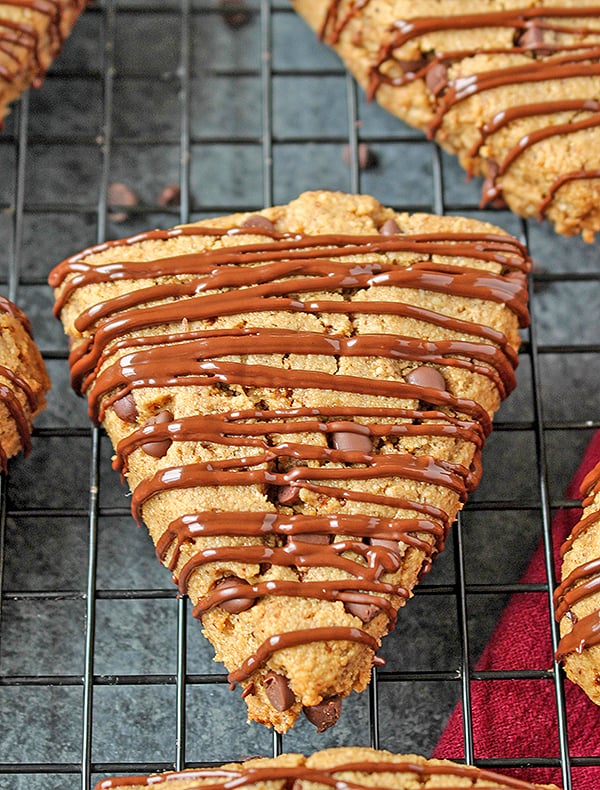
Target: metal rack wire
{"points": [[100, 669]]}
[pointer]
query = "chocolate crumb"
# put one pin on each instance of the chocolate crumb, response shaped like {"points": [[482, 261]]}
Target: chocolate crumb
{"points": [[235, 14], [367, 158], [170, 196], [259, 222], [120, 195]]}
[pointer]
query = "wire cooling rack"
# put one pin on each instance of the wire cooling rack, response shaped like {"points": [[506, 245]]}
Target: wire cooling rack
{"points": [[102, 668]]}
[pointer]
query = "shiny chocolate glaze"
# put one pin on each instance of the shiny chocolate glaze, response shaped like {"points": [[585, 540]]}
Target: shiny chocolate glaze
{"points": [[581, 583], [115, 356], [230, 777], [548, 61], [18, 35], [8, 397]]}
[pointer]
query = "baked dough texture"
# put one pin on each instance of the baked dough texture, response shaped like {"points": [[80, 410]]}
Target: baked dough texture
{"points": [[358, 766], [298, 399], [577, 598], [23, 382], [512, 88], [31, 35]]}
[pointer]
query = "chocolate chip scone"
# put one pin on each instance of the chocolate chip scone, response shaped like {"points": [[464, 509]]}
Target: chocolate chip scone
{"points": [[512, 88], [23, 382], [31, 35], [352, 766], [577, 598], [298, 400]]}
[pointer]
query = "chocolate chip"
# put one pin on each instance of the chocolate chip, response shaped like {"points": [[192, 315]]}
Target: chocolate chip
{"points": [[533, 38], [349, 441], [278, 691], [125, 408], [159, 448], [235, 14], [234, 605], [389, 228], [170, 195], [364, 611], [120, 195], [288, 495], [257, 221], [325, 714], [436, 78], [367, 158], [425, 376], [411, 66]]}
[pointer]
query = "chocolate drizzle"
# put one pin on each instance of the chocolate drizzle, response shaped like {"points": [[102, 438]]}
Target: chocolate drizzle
{"points": [[135, 340], [557, 61], [18, 35], [581, 583], [230, 777], [16, 383]]}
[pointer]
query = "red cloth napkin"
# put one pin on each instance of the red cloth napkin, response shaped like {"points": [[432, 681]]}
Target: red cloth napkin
{"points": [[517, 718]]}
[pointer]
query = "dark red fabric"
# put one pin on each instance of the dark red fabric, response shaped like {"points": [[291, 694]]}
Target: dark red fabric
{"points": [[517, 718]]}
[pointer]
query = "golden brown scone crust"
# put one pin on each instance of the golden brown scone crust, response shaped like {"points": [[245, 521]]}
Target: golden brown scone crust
{"points": [[31, 36], [23, 381], [383, 41], [298, 472], [578, 597], [361, 766]]}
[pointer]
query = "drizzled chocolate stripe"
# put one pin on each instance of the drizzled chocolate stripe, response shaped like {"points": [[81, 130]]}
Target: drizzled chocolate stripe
{"points": [[504, 250], [461, 282], [423, 469], [566, 67], [360, 591], [227, 430], [230, 778], [295, 638], [581, 583], [261, 524], [511, 114]]}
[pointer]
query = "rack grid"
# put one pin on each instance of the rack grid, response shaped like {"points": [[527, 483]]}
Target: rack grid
{"points": [[102, 670]]}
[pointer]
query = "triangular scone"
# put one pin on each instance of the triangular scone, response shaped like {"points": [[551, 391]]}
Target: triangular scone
{"points": [[298, 399], [31, 36], [511, 88], [357, 767], [577, 598], [24, 382]]}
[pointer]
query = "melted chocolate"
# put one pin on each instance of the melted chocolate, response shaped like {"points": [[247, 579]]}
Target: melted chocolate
{"points": [[581, 583], [547, 62], [115, 356], [17, 35], [227, 778], [7, 393]]}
